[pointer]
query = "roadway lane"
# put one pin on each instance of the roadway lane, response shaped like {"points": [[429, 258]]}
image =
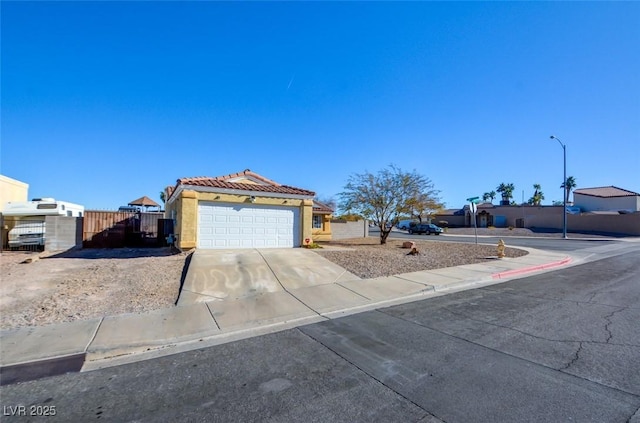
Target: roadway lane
{"points": [[542, 243]]}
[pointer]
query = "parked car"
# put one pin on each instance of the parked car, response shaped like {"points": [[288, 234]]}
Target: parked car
{"points": [[404, 224], [27, 233], [425, 228]]}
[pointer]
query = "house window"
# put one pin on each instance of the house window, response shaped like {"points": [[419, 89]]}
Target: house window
{"points": [[317, 221]]}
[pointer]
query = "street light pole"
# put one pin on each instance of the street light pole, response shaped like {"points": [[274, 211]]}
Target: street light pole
{"points": [[564, 186]]}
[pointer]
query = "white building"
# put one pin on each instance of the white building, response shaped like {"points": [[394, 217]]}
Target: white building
{"points": [[606, 199]]}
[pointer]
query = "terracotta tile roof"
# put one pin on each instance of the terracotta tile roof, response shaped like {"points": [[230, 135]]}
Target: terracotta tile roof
{"points": [[319, 207], [606, 192], [246, 173], [168, 190], [264, 184]]}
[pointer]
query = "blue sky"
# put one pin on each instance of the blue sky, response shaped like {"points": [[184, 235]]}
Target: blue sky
{"points": [[104, 102]]}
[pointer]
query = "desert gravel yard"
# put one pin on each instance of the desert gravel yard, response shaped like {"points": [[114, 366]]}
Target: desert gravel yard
{"points": [[366, 258], [92, 283]]}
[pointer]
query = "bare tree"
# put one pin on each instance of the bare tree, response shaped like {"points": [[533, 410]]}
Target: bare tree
{"points": [[385, 196], [328, 201]]}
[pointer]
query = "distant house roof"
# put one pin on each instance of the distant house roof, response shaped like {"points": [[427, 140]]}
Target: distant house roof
{"points": [[241, 181], [606, 192], [144, 201], [321, 208], [451, 212]]}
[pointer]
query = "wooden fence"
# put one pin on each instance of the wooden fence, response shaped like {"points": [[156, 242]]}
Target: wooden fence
{"points": [[112, 229]]}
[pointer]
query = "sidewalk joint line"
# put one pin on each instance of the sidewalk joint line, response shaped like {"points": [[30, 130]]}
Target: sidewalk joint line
{"points": [[285, 289], [212, 316], [95, 333]]}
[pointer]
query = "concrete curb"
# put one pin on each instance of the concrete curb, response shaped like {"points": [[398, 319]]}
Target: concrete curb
{"points": [[530, 269]]}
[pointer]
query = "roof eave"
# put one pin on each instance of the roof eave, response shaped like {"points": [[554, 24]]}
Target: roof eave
{"points": [[217, 190]]}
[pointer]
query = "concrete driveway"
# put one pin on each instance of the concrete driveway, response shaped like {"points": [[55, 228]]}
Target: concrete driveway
{"points": [[215, 275]]}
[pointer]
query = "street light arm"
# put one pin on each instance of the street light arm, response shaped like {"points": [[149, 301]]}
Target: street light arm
{"points": [[553, 137]]}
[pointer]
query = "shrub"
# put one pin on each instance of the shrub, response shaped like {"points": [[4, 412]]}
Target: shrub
{"points": [[443, 223]]}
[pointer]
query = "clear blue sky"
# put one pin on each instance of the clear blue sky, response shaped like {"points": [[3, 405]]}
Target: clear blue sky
{"points": [[104, 102]]}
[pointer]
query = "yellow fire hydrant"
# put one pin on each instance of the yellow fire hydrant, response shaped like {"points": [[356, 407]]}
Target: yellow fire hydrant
{"points": [[501, 248]]}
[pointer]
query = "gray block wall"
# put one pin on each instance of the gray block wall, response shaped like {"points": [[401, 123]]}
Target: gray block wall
{"points": [[63, 233], [341, 229]]}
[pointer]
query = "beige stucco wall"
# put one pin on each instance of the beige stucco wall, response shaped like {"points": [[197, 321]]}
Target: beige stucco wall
{"points": [[12, 190], [185, 210], [591, 203], [323, 234], [550, 217]]}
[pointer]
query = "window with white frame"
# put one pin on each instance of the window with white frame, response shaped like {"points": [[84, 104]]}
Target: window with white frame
{"points": [[317, 221]]}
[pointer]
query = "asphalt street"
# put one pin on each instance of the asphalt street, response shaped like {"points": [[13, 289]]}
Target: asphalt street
{"points": [[556, 347], [542, 243]]}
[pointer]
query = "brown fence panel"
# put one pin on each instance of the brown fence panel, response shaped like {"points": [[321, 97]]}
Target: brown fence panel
{"points": [[112, 229]]}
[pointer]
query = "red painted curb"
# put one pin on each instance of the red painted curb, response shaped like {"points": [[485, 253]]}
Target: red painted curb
{"points": [[530, 269]]}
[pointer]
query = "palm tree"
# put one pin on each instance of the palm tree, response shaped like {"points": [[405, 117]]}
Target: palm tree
{"points": [[571, 184], [163, 196], [538, 196], [492, 195], [507, 193], [489, 196]]}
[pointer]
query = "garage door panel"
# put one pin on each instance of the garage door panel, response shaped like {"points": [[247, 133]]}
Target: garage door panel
{"points": [[224, 225]]}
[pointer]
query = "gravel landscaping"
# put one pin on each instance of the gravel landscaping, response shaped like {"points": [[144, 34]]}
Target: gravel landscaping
{"points": [[92, 283], [366, 258]]}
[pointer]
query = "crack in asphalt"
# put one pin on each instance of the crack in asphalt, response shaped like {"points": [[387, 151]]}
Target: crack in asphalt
{"points": [[559, 300], [575, 358], [633, 415], [592, 296], [458, 313], [607, 326]]}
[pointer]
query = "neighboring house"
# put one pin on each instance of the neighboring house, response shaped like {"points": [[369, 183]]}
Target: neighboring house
{"points": [[612, 199], [453, 217], [321, 221], [243, 210], [12, 190]]}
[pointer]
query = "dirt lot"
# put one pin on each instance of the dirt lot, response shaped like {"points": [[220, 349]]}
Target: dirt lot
{"points": [[91, 283]]}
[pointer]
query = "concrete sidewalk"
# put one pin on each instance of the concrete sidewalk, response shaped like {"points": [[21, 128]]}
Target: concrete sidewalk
{"points": [[29, 353]]}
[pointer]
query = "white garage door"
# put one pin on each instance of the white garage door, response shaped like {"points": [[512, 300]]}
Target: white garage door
{"points": [[225, 225]]}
